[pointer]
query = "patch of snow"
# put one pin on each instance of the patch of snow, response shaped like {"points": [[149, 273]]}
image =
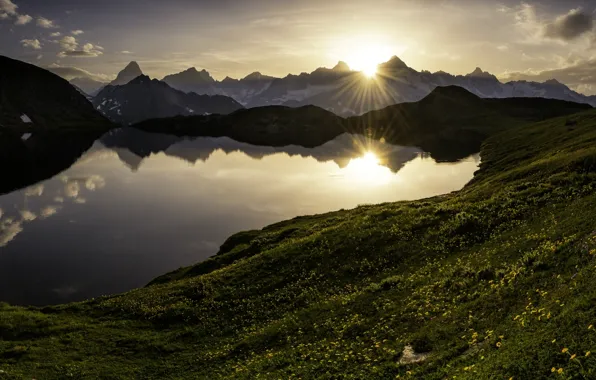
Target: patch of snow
{"points": [[189, 110], [25, 136], [26, 119], [206, 113]]}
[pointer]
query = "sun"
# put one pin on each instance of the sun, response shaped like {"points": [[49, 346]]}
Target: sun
{"points": [[367, 58]]}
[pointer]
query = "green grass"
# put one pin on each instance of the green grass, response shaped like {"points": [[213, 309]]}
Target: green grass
{"points": [[492, 282]]}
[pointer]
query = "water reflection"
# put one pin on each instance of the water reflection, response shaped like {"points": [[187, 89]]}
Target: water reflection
{"points": [[133, 146], [136, 205]]}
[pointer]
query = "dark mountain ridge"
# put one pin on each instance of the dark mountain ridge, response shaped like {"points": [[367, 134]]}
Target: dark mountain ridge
{"points": [[34, 99], [450, 123], [145, 98]]}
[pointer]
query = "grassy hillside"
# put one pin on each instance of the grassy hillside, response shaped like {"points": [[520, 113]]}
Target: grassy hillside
{"points": [[492, 282], [450, 123]]}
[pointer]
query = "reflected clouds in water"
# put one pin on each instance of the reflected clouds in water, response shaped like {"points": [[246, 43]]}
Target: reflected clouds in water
{"points": [[48, 205]]}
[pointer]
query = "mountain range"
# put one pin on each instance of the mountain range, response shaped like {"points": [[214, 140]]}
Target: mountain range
{"points": [[144, 98], [344, 91], [133, 146], [450, 123]]}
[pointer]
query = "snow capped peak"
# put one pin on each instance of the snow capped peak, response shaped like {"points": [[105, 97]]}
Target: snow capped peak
{"points": [[26, 119]]}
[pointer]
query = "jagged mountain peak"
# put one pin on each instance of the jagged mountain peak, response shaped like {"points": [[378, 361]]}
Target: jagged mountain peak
{"points": [[130, 72], [341, 66], [553, 82], [254, 76], [479, 73], [394, 63], [141, 79], [132, 66]]}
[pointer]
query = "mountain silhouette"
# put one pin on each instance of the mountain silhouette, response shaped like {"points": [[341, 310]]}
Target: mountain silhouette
{"points": [[130, 72], [33, 99], [450, 123], [133, 146], [89, 86], [144, 98]]}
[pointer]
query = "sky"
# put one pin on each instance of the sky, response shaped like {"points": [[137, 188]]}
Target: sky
{"points": [[532, 40]]}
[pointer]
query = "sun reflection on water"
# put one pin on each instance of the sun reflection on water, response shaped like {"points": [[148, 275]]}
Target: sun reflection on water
{"points": [[368, 170]]}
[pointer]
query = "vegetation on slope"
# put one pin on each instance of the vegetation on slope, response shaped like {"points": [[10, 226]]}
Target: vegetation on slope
{"points": [[492, 282], [450, 123]]}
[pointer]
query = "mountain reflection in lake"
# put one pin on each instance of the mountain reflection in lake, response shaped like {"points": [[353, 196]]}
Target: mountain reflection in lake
{"points": [[138, 205]]}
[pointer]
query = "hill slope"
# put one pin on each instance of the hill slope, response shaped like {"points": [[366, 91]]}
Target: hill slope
{"points": [[33, 99], [493, 281]]}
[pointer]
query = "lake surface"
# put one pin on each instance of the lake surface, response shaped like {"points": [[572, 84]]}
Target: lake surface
{"points": [[138, 205]]}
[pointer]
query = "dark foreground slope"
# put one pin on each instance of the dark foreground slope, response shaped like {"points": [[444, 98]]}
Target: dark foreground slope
{"points": [[492, 282], [48, 101], [60, 124], [450, 123]]}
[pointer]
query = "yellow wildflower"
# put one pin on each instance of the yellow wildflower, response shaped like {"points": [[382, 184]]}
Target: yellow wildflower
{"points": [[572, 357], [560, 371], [590, 327], [498, 344], [588, 354], [554, 340], [564, 350], [553, 369]]}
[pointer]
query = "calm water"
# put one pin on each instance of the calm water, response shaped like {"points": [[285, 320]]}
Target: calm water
{"points": [[136, 206]]}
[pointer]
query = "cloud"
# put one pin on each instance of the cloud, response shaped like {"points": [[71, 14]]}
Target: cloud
{"points": [[48, 211], [569, 26], [55, 34], [4, 16], [35, 191], [580, 76], [70, 48], [68, 43], [126, 52], [33, 44], [45, 23], [8, 7], [23, 19], [72, 188], [77, 32], [28, 216], [8, 231], [70, 72], [95, 182]]}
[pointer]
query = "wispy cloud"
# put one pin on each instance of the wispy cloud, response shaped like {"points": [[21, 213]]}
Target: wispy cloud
{"points": [[77, 32]]}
